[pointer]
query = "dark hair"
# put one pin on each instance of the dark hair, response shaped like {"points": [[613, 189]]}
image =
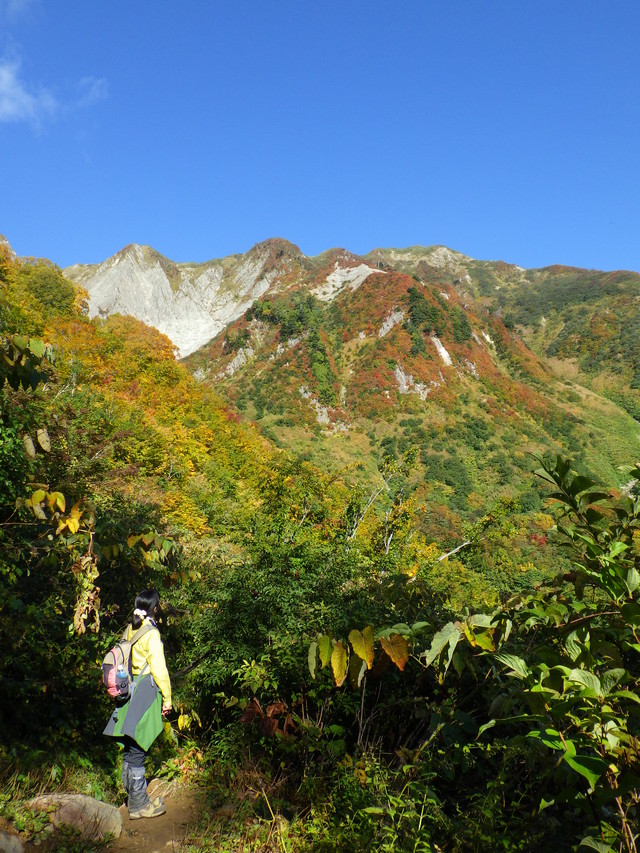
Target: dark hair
{"points": [[147, 600]]}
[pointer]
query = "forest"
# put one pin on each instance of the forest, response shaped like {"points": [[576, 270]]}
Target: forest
{"points": [[391, 656]]}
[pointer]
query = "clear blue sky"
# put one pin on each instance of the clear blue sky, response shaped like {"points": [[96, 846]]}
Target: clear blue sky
{"points": [[506, 129]]}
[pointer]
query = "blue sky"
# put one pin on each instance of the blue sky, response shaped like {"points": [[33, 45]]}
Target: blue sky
{"points": [[506, 130]]}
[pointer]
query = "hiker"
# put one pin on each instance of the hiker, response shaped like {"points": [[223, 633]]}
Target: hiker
{"points": [[138, 721]]}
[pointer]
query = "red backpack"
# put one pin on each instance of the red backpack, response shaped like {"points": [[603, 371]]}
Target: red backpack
{"points": [[116, 666]]}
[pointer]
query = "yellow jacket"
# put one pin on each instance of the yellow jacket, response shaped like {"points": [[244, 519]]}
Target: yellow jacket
{"points": [[149, 650]]}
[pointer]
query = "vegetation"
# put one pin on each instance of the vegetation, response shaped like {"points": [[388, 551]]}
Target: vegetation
{"points": [[421, 654]]}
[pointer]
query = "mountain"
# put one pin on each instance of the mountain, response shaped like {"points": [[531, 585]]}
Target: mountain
{"points": [[363, 365], [583, 322], [586, 323], [189, 303], [473, 366], [192, 303]]}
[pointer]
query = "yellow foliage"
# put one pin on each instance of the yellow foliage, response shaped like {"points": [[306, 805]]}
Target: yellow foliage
{"points": [[183, 510]]}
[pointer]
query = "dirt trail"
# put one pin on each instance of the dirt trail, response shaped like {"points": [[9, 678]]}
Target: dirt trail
{"points": [[162, 834], [165, 833]]}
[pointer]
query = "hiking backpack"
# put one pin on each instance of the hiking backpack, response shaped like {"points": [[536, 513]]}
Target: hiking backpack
{"points": [[116, 666]]}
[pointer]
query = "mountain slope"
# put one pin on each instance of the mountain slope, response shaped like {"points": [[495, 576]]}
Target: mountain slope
{"points": [[190, 303], [372, 364], [346, 359], [585, 322]]}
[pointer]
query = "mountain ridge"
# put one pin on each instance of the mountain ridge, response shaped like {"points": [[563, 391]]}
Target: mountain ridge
{"points": [[179, 298]]}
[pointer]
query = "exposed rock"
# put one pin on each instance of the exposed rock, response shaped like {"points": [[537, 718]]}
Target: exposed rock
{"points": [[442, 351], [408, 385], [341, 277], [93, 819], [239, 360], [10, 843], [390, 321], [471, 368], [189, 303], [5, 244], [322, 412]]}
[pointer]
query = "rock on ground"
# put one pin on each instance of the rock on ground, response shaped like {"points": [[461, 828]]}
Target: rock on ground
{"points": [[93, 819], [10, 843]]}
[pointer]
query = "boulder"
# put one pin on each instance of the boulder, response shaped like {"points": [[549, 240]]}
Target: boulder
{"points": [[93, 819], [10, 843]]}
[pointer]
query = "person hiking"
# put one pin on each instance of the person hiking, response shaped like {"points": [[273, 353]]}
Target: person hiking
{"points": [[138, 721]]}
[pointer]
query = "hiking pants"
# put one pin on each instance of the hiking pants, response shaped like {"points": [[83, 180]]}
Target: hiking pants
{"points": [[134, 755]]}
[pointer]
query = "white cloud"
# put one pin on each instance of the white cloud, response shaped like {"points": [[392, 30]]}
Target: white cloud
{"points": [[17, 103], [14, 9], [91, 90]]}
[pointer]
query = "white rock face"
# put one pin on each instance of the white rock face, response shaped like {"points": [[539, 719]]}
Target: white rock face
{"points": [[351, 277], [471, 368], [239, 360], [188, 303], [408, 385], [7, 245], [322, 412], [10, 843], [390, 321], [440, 256], [442, 352]]}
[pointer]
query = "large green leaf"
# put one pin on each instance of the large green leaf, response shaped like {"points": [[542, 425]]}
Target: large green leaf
{"points": [[581, 484], [574, 645], [632, 580], [610, 678], [589, 766], [37, 347], [631, 614], [313, 658], [588, 679], [517, 665], [596, 844], [552, 739], [325, 648], [439, 641]]}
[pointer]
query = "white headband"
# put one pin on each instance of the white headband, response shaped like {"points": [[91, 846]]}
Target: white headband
{"points": [[140, 613]]}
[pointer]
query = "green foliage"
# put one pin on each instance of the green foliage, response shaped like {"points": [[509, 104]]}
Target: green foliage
{"points": [[423, 315], [46, 283], [22, 360], [321, 368], [236, 340], [294, 313], [557, 680], [461, 327]]}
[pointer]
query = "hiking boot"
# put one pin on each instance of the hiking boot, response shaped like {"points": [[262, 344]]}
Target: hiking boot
{"points": [[153, 808], [139, 803]]}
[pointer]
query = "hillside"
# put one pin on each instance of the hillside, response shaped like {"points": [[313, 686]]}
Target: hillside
{"points": [[360, 363], [585, 322], [347, 360]]}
